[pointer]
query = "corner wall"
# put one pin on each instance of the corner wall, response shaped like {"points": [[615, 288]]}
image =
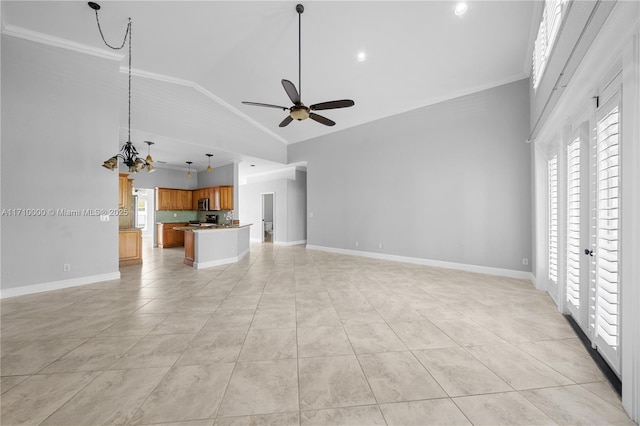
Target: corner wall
{"points": [[60, 121], [450, 182], [289, 188]]}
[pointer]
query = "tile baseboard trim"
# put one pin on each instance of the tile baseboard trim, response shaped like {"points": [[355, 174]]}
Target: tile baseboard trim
{"points": [[226, 261], [57, 285], [522, 275], [290, 243]]}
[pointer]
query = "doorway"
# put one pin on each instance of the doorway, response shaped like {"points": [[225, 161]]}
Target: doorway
{"points": [[268, 217]]}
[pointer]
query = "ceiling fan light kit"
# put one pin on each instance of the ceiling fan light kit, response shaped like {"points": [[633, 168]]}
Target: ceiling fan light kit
{"points": [[299, 111]]}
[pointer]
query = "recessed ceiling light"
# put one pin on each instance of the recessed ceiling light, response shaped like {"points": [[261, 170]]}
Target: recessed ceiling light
{"points": [[461, 9], [361, 56]]}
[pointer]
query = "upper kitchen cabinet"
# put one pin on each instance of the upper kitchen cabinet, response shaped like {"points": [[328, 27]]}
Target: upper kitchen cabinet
{"points": [[174, 199], [226, 197], [198, 194], [124, 191]]}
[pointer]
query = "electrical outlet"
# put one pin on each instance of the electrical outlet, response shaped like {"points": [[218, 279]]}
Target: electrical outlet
{"points": [[175, 215], [380, 245], [525, 261], [311, 215], [357, 244], [66, 267]]}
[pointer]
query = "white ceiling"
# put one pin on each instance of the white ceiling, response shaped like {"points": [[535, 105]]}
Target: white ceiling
{"points": [[418, 52]]}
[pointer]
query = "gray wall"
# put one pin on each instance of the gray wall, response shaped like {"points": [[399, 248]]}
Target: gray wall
{"points": [[289, 188], [163, 178], [218, 176], [297, 207], [60, 121], [448, 182]]}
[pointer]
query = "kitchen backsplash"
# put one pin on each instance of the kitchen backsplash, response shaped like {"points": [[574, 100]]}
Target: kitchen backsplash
{"points": [[165, 216]]}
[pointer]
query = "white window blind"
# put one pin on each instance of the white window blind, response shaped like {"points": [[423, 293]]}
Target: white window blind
{"points": [[553, 219], [573, 223], [607, 234], [547, 32]]}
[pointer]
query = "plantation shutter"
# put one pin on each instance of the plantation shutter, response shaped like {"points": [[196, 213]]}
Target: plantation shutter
{"points": [[553, 219], [606, 256], [574, 251]]}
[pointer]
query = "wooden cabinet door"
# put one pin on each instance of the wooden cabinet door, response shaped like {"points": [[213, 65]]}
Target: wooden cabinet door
{"points": [[168, 238], [130, 247], [186, 198], [189, 248], [178, 237], [214, 198], [164, 199], [123, 187], [196, 195], [226, 198]]}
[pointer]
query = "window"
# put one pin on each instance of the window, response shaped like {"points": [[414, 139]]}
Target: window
{"points": [[553, 219], [547, 32]]}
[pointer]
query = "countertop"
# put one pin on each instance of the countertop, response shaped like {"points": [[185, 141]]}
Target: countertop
{"points": [[211, 227]]}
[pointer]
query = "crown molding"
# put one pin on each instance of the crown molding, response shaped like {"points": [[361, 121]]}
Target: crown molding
{"points": [[23, 33], [188, 83], [19, 32]]}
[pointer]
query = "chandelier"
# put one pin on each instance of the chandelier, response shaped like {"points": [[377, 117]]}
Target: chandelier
{"points": [[128, 153]]}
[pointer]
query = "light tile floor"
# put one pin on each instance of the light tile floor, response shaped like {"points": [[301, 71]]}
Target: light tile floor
{"points": [[291, 336]]}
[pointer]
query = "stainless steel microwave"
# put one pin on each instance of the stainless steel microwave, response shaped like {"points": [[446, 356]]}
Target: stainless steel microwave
{"points": [[203, 204]]}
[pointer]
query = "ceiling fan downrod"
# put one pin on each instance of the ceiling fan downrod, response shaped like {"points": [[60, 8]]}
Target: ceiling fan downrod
{"points": [[300, 9]]}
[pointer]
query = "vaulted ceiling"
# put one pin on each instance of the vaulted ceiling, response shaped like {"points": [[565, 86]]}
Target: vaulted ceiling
{"points": [[418, 53]]}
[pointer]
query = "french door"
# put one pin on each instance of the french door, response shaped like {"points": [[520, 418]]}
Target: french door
{"points": [[593, 229]]}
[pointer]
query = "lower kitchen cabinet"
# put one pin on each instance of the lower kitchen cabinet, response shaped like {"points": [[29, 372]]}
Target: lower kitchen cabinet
{"points": [[130, 246], [169, 237]]}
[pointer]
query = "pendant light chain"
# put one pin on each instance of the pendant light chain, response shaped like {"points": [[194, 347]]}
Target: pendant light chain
{"points": [[124, 40], [128, 152]]}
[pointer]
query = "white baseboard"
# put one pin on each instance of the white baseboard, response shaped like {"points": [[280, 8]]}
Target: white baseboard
{"points": [[57, 285], [523, 275], [290, 243], [226, 261]]}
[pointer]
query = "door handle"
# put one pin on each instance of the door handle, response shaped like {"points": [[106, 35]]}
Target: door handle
{"points": [[589, 252]]}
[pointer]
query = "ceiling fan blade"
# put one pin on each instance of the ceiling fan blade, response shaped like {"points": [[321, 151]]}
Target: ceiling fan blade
{"points": [[265, 105], [291, 90], [321, 119], [286, 121], [343, 103]]}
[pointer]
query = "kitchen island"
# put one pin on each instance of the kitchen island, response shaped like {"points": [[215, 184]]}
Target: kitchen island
{"points": [[208, 246]]}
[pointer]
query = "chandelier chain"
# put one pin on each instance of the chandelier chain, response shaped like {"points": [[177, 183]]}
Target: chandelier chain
{"points": [[127, 33], [105, 41]]}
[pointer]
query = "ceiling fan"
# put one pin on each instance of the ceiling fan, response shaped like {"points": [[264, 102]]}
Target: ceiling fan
{"points": [[300, 111]]}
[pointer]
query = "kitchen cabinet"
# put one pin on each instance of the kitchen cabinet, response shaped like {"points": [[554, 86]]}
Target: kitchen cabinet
{"points": [[198, 194], [125, 200], [189, 248], [174, 199], [226, 197], [169, 237], [130, 246], [124, 191], [214, 197]]}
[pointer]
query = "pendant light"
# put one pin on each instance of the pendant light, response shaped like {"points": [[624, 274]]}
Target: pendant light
{"points": [[189, 172], [209, 168], [128, 153], [149, 158]]}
